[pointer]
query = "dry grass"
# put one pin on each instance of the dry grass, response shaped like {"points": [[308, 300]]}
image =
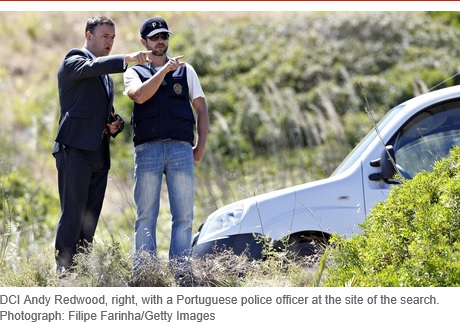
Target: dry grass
{"points": [[105, 265]]}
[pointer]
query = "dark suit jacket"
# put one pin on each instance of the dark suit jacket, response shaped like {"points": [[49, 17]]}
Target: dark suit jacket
{"points": [[85, 104]]}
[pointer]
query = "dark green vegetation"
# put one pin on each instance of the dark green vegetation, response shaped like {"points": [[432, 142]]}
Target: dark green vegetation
{"points": [[410, 240], [286, 91]]}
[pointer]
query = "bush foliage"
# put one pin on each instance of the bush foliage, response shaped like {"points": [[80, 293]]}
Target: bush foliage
{"points": [[410, 240]]}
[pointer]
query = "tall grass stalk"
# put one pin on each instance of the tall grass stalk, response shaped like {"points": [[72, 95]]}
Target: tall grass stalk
{"points": [[6, 216]]}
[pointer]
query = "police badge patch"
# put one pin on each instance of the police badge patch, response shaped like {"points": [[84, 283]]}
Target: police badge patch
{"points": [[177, 89]]}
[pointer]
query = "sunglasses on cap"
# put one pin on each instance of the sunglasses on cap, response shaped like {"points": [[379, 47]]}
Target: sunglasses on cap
{"points": [[164, 36]]}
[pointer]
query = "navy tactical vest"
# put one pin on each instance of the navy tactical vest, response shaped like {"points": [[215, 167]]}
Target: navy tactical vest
{"points": [[168, 114]]}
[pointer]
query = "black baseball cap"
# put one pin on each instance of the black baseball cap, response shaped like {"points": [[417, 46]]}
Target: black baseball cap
{"points": [[154, 26]]}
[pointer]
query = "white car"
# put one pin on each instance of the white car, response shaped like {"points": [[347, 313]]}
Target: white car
{"points": [[414, 134]]}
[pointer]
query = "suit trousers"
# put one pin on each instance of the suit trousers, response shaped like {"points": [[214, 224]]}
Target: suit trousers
{"points": [[82, 182]]}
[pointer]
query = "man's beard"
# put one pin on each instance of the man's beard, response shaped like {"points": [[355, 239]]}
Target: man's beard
{"points": [[157, 52]]}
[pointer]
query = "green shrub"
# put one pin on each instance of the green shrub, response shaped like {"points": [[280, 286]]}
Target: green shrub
{"points": [[29, 212], [410, 240]]}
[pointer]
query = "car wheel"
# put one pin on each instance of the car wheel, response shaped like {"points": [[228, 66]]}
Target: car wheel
{"points": [[305, 245]]}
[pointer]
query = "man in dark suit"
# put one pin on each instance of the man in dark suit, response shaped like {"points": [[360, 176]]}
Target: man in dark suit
{"points": [[86, 123]]}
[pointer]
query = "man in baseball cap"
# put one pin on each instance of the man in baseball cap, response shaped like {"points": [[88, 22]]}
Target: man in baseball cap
{"points": [[170, 126], [154, 26]]}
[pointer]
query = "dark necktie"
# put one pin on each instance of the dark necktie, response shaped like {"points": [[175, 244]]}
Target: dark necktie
{"points": [[106, 83]]}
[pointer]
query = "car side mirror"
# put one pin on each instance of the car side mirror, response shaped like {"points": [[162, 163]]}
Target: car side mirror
{"points": [[387, 163]]}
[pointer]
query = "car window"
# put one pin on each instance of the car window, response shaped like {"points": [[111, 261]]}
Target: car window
{"points": [[427, 137]]}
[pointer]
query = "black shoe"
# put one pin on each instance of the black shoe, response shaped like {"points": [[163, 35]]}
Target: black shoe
{"points": [[185, 279], [62, 271]]}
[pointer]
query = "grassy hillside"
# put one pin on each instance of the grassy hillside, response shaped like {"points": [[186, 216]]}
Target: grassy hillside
{"points": [[286, 93]]}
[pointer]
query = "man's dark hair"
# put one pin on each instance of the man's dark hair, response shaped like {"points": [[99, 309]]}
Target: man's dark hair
{"points": [[95, 21]]}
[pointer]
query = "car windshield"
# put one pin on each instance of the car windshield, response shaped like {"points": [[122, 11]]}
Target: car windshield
{"points": [[364, 143]]}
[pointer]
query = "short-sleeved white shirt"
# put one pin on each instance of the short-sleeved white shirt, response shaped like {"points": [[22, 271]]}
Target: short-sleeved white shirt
{"points": [[131, 79]]}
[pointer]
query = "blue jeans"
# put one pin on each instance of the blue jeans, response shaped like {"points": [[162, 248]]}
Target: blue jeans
{"points": [[174, 159]]}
